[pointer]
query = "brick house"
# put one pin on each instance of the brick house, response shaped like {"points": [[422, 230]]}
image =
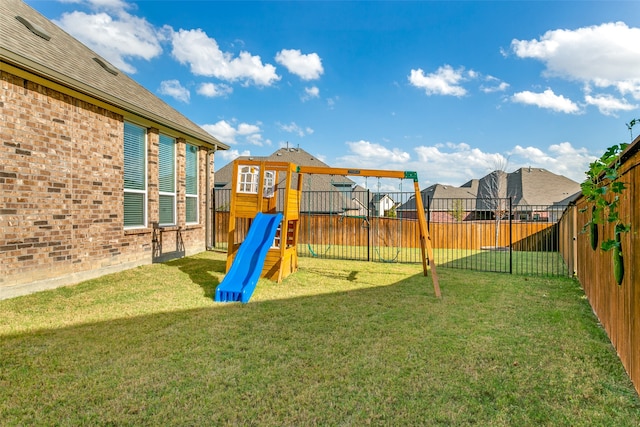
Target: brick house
{"points": [[97, 174]]}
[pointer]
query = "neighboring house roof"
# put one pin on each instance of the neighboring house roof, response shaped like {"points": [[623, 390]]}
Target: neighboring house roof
{"points": [[377, 197], [569, 200], [527, 186], [56, 56], [445, 194], [536, 186]]}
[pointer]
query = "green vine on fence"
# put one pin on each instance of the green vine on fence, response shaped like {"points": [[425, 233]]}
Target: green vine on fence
{"points": [[603, 190]]}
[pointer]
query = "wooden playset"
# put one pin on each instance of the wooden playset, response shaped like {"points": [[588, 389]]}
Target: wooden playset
{"points": [[255, 189]]}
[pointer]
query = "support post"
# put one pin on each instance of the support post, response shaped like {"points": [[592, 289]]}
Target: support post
{"points": [[425, 241]]}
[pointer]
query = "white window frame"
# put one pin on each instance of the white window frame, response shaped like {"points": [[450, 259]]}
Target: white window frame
{"points": [[172, 194], [186, 190], [269, 184], [277, 239], [248, 179], [144, 191]]}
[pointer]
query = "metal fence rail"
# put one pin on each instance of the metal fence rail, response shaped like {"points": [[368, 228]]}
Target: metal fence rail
{"points": [[475, 234]]}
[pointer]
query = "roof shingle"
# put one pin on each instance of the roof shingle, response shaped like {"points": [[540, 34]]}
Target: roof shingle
{"points": [[64, 60]]}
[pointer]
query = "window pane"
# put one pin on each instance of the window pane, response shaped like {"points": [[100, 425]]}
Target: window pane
{"points": [[133, 209], [166, 209], [134, 158], [192, 209], [192, 169], [166, 164]]}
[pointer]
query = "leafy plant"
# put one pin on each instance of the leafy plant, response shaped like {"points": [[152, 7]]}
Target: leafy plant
{"points": [[391, 213], [630, 126], [457, 210], [603, 190]]}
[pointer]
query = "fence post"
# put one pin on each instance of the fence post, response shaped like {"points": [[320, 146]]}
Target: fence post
{"points": [[213, 218], [369, 225], [428, 213], [510, 235]]}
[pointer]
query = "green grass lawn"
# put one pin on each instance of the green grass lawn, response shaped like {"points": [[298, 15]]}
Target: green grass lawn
{"points": [[338, 343]]}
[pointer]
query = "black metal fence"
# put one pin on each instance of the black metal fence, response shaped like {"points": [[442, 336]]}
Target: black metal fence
{"points": [[477, 234]]}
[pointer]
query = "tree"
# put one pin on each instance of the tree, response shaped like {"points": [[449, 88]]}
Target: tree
{"points": [[457, 210], [494, 192], [391, 213]]}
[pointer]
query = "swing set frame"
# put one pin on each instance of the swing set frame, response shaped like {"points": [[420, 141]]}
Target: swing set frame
{"points": [[282, 259], [425, 239]]}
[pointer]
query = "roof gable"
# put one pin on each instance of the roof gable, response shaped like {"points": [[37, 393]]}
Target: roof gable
{"points": [[65, 61]]}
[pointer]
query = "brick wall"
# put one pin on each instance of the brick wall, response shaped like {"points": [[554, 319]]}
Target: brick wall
{"points": [[61, 191]]}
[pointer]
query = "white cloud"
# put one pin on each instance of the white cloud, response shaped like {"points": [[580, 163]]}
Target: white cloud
{"points": [[174, 89], [105, 4], [561, 159], [493, 84], [294, 128], [225, 156], [212, 90], [606, 55], [445, 81], [226, 132], [609, 105], [547, 99], [305, 66], [116, 5], [456, 163], [310, 92], [372, 155], [205, 58], [118, 38]]}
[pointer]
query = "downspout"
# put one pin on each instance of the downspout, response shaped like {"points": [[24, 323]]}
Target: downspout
{"points": [[207, 221]]}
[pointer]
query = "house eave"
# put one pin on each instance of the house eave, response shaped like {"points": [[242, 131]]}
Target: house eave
{"points": [[36, 69]]}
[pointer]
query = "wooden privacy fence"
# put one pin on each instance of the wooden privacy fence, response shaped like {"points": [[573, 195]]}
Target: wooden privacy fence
{"points": [[512, 246], [617, 306], [323, 229]]}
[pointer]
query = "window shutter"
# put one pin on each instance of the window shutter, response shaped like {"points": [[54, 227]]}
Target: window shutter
{"points": [[167, 165], [133, 209], [192, 169], [166, 209], [134, 176], [191, 184], [192, 209]]}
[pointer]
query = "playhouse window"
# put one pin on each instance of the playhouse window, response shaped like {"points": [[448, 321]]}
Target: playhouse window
{"points": [[277, 240], [269, 183], [249, 177]]}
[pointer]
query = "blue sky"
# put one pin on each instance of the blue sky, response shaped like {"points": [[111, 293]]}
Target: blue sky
{"points": [[448, 89]]}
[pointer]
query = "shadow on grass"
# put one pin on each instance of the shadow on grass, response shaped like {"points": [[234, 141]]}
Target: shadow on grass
{"points": [[495, 261], [199, 271], [391, 355]]}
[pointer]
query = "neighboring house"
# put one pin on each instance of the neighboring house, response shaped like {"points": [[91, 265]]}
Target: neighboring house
{"points": [[381, 204], [97, 174], [533, 192], [321, 194], [444, 201]]}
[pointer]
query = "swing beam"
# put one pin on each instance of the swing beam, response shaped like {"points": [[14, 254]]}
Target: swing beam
{"points": [[425, 239]]}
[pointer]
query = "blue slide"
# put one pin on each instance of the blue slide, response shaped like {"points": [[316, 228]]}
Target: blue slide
{"points": [[241, 280]]}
